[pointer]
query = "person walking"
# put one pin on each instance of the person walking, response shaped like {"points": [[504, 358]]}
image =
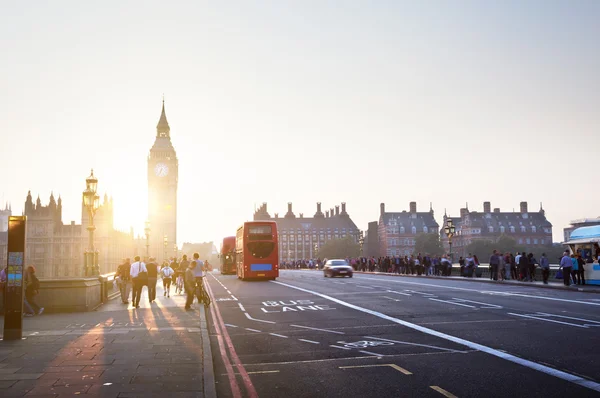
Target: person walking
{"points": [[152, 268], [545, 266], [494, 265], [566, 264], [124, 280], [189, 280], [139, 275], [167, 277], [580, 270], [32, 289]]}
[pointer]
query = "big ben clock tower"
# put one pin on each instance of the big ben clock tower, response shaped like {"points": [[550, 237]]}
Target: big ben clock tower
{"points": [[162, 192]]}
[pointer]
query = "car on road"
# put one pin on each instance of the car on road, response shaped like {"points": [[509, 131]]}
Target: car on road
{"points": [[337, 268]]}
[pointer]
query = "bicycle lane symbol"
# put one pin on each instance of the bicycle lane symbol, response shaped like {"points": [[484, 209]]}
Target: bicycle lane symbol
{"points": [[364, 344]]}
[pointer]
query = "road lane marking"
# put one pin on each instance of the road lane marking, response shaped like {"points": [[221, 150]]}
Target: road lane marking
{"points": [[404, 294], [477, 302], [452, 302], [457, 322], [499, 354], [488, 291], [337, 346], [443, 392], [424, 294], [309, 341], [278, 335], [390, 298], [253, 330], [233, 297], [322, 330], [414, 344], [548, 320], [257, 320], [569, 317], [242, 307], [391, 365], [255, 373], [364, 287], [372, 353], [230, 325]]}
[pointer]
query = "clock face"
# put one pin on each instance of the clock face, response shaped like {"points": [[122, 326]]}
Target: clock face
{"points": [[161, 170]]}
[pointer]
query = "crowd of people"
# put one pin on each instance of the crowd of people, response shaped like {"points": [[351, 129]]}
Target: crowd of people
{"points": [[186, 275]]}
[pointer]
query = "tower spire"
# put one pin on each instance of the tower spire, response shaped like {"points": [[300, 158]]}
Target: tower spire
{"points": [[162, 128]]}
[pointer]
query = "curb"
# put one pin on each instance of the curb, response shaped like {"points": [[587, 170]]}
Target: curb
{"points": [[210, 389], [549, 286]]}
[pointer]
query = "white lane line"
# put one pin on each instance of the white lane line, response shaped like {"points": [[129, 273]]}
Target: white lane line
{"points": [[278, 335], [339, 283], [477, 302], [257, 320], [539, 318], [487, 291], [424, 294], [253, 330], [568, 317], [499, 354], [404, 294], [242, 307], [233, 297], [322, 330], [309, 341], [452, 302], [372, 353], [390, 298], [230, 325], [414, 344], [337, 346], [228, 291], [364, 287]]}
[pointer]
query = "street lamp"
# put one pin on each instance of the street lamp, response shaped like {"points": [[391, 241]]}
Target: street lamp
{"points": [[91, 202], [166, 243], [449, 229], [361, 240], [315, 249], [147, 231]]}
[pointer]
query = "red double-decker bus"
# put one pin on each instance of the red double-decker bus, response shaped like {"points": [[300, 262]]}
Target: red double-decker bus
{"points": [[227, 256], [257, 250]]}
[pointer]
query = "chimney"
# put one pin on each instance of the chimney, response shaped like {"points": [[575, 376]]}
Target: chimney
{"points": [[382, 208], [326, 213], [318, 207], [487, 207], [344, 208], [523, 207], [413, 207], [301, 215], [497, 210], [331, 212], [289, 213], [337, 210], [265, 206], [289, 207], [463, 212], [276, 215]]}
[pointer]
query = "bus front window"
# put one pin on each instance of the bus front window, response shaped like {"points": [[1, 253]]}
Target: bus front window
{"points": [[261, 249]]}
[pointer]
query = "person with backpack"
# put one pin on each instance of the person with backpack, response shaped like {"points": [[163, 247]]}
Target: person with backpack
{"points": [[32, 290], [124, 280], [167, 276]]}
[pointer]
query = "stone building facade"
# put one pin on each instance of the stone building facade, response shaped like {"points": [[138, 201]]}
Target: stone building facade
{"points": [[56, 249], [397, 231], [528, 229], [301, 237]]}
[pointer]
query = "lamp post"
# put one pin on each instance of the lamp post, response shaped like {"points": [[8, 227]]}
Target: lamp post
{"points": [[175, 249], [91, 201], [361, 241], [449, 229], [147, 232], [315, 249], [165, 243]]}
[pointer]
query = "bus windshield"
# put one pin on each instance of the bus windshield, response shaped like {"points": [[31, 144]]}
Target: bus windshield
{"points": [[261, 249], [260, 232]]}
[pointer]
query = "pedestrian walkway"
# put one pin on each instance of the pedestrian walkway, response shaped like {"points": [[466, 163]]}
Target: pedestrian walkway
{"points": [[551, 285], [158, 349]]}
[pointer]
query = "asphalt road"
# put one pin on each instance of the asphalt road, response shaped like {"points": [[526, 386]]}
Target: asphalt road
{"points": [[379, 336]]}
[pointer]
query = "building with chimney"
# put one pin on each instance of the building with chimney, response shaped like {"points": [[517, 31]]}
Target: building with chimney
{"points": [[529, 229], [56, 249], [397, 231], [301, 237], [371, 240]]}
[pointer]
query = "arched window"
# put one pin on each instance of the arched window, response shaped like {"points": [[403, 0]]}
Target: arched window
{"points": [[512, 229], [502, 229], [425, 229], [491, 229], [533, 229], [523, 229], [402, 230], [414, 229]]}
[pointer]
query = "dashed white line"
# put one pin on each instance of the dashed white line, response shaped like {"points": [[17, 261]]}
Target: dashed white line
{"points": [[242, 307], [309, 341], [253, 330], [477, 302], [257, 320], [452, 302], [322, 330], [364, 287], [413, 344], [337, 346], [393, 291], [372, 353], [568, 317], [278, 335], [230, 325], [233, 297], [540, 318]]}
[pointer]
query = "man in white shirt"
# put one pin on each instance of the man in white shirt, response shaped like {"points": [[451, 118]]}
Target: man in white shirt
{"points": [[138, 281]]}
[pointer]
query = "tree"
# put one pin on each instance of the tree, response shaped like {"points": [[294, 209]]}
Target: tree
{"points": [[339, 248], [429, 244]]}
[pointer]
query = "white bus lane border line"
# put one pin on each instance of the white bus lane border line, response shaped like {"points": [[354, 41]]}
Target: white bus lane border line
{"points": [[542, 316], [592, 385], [226, 289]]}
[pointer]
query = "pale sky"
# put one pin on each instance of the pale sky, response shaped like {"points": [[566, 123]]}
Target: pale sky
{"points": [[303, 101]]}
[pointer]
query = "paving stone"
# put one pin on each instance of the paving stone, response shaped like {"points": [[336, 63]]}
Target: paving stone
{"points": [[20, 376], [6, 384], [9, 370], [58, 390]]}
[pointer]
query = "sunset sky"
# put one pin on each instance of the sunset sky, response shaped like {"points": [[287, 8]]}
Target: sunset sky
{"points": [[304, 101]]}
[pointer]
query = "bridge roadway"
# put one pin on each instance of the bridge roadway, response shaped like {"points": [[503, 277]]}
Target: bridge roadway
{"points": [[305, 335]]}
